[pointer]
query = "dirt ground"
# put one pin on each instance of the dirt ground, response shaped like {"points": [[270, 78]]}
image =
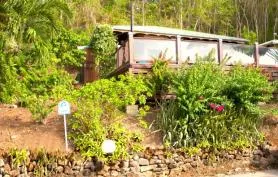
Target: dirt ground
{"points": [[18, 129]]}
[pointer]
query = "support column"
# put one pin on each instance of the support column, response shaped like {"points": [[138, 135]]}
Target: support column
{"points": [[256, 55], [131, 48], [220, 50], [178, 50]]}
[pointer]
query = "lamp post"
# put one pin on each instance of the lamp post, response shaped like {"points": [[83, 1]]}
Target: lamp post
{"points": [[108, 147]]}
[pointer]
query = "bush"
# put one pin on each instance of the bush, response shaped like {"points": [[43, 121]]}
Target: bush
{"points": [[160, 77], [99, 117], [214, 108], [245, 87]]}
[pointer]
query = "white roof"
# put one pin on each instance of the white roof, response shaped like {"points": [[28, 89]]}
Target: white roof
{"points": [[174, 31], [272, 42]]}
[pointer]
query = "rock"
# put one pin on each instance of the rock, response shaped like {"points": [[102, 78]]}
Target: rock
{"points": [[238, 157], [136, 157], [162, 165], [143, 162], [23, 175], [258, 152], [2, 163], [31, 166], [125, 164], [89, 165], [188, 160], [158, 152], [169, 161], [194, 164], [60, 169], [7, 168], [172, 165], [145, 168], [133, 163], [62, 162], [114, 173], [135, 169], [86, 172], [68, 170], [76, 168], [14, 173], [238, 169], [133, 175]]}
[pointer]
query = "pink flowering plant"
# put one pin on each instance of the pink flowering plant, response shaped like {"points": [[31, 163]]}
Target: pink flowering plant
{"points": [[214, 106]]}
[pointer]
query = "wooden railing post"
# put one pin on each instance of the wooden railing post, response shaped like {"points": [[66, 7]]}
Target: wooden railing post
{"points": [[131, 48], [178, 50], [220, 50], [256, 55]]}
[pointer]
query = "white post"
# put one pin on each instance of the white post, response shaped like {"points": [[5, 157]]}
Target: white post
{"points": [[65, 127]]}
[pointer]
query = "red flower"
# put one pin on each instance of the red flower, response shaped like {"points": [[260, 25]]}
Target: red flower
{"points": [[212, 106], [220, 108]]}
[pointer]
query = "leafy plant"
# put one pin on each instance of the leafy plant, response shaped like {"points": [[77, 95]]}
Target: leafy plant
{"points": [[214, 109], [104, 45], [65, 48], [245, 87], [160, 77], [18, 157]]}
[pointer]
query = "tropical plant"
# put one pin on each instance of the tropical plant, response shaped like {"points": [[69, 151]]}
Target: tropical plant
{"points": [[64, 46], [160, 77], [213, 108], [245, 87], [104, 45]]}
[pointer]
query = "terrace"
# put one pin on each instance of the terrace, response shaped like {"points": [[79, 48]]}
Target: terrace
{"points": [[137, 49]]}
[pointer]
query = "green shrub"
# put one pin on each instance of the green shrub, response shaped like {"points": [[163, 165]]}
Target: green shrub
{"points": [[160, 77], [103, 43], [94, 122], [127, 90], [246, 86], [39, 106], [99, 115], [213, 108], [65, 46]]}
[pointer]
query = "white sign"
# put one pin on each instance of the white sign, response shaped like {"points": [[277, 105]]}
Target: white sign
{"points": [[63, 108]]}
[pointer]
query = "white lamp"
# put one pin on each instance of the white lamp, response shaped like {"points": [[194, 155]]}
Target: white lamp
{"points": [[108, 146]]}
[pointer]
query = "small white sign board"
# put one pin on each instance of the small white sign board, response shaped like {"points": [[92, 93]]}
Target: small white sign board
{"points": [[63, 108]]}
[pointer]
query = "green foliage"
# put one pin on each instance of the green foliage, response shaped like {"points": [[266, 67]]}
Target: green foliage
{"points": [[18, 157], [249, 35], [245, 87], [39, 106], [99, 117], [91, 126], [103, 43], [214, 109], [160, 77], [127, 90], [9, 85], [65, 48]]}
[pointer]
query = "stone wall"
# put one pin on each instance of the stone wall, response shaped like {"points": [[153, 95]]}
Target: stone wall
{"points": [[153, 162]]}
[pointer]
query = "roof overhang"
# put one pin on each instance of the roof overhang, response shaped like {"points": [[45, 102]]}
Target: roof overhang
{"points": [[270, 43], [164, 31]]}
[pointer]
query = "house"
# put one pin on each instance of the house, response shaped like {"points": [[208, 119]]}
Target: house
{"points": [[138, 48]]}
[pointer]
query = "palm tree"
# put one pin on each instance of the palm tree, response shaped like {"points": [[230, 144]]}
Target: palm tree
{"points": [[31, 20]]}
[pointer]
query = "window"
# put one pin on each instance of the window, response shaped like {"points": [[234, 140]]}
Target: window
{"points": [[147, 49], [189, 50]]}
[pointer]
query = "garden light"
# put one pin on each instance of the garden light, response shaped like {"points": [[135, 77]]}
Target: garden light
{"points": [[108, 146]]}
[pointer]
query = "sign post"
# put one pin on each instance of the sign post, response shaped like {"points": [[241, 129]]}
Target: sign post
{"points": [[63, 110]]}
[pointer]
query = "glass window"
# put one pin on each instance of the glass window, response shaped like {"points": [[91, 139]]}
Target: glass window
{"points": [[147, 49], [189, 50], [239, 54], [268, 56]]}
